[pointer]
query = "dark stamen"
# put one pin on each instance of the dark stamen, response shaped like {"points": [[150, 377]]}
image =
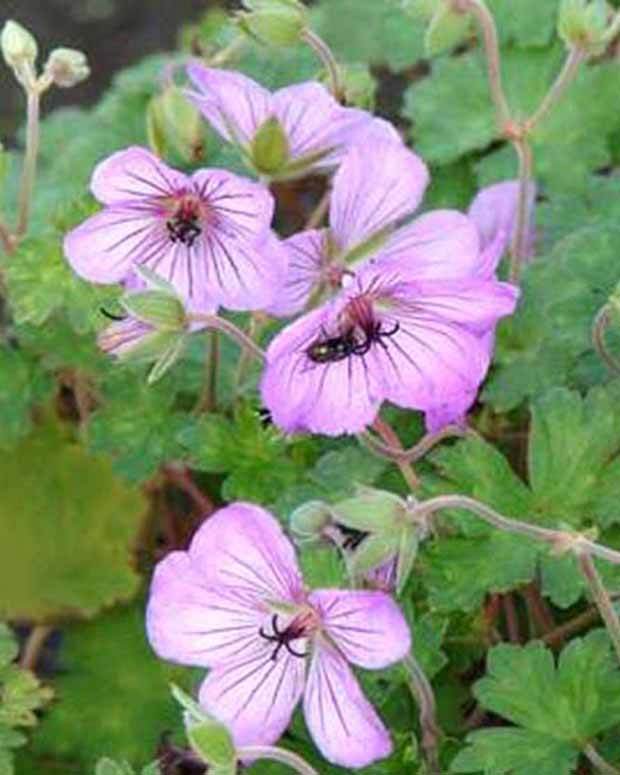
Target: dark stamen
{"points": [[283, 637]]}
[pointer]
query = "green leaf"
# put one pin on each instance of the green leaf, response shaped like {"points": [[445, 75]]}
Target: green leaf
{"points": [[370, 31], [69, 551], [113, 694], [23, 384], [530, 23], [322, 567]]}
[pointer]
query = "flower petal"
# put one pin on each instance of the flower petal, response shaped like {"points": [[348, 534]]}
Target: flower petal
{"points": [[134, 174], [121, 337], [307, 252], [331, 398], [373, 191], [188, 623], [367, 627], [255, 696], [104, 248], [343, 724], [232, 103], [437, 245], [242, 551]]}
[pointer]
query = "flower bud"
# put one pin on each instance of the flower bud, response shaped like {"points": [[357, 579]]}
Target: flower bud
{"points": [[274, 22], [372, 553], [372, 511], [19, 48], [270, 147], [67, 67], [163, 311], [308, 520], [172, 122], [582, 24]]}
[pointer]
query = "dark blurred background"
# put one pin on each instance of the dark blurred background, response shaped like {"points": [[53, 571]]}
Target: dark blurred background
{"points": [[113, 33]]}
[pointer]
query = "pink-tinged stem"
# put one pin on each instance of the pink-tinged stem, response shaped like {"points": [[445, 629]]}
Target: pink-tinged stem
{"points": [[34, 643], [519, 243], [488, 28], [560, 540], [562, 82], [293, 760], [423, 694], [601, 322], [597, 760], [391, 440], [417, 451], [601, 598], [325, 54], [29, 170], [230, 329]]}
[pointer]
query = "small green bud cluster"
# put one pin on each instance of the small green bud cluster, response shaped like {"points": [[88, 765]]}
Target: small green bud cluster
{"points": [[583, 25], [65, 67], [274, 22]]}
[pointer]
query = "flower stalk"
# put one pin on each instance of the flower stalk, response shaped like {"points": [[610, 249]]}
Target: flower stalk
{"points": [[325, 54], [601, 598], [392, 441], [519, 243], [230, 329], [276, 754], [597, 760], [566, 76], [423, 693], [418, 450], [601, 322]]}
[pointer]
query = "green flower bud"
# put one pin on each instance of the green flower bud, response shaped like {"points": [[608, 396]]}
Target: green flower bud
{"points": [[164, 311], [308, 520], [173, 123], [270, 148], [274, 22], [582, 24], [448, 27], [373, 551], [19, 48], [359, 86], [372, 511], [67, 67]]}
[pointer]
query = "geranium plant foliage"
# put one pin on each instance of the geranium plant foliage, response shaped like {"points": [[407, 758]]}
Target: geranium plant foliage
{"points": [[310, 396]]}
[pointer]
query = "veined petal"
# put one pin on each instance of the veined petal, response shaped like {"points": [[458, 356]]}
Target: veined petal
{"points": [[134, 174], [373, 191], [105, 247], [191, 624], [122, 336], [234, 201], [442, 244], [241, 274], [232, 103], [343, 724], [367, 627], [331, 398], [307, 254], [242, 552], [255, 695]]}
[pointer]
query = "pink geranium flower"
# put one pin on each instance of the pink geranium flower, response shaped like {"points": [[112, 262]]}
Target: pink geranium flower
{"points": [[235, 602], [398, 333], [316, 128], [208, 234]]}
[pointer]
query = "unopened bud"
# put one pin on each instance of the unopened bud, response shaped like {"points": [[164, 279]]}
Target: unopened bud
{"points": [[310, 519], [163, 311], [274, 22], [66, 67], [172, 122], [270, 148], [372, 511], [582, 24], [19, 47]]}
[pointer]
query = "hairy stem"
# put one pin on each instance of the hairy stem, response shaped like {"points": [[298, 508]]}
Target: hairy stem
{"points": [[293, 760], [522, 229], [597, 760], [417, 451], [556, 92], [325, 54], [230, 329], [599, 327], [316, 217], [601, 598], [29, 170], [422, 691], [256, 324], [488, 28], [391, 440], [34, 643], [228, 52]]}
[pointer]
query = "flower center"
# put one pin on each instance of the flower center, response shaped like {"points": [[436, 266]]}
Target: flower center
{"points": [[300, 627], [357, 330], [184, 224]]}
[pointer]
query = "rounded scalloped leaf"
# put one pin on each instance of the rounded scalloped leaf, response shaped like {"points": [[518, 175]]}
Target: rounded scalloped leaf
{"points": [[68, 526]]}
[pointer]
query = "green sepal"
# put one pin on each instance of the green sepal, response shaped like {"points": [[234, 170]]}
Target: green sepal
{"points": [[368, 246], [274, 22], [167, 359], [213, 743], [160, 309], [270, 147], [372, 511], [308, 520], [374, 551], [407, 554]]}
